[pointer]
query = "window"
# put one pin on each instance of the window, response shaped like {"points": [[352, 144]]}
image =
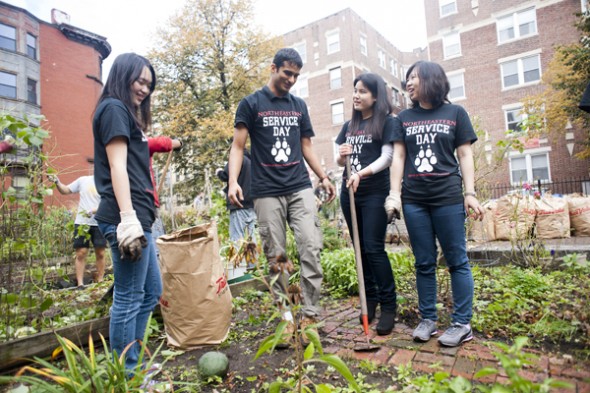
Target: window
{"points": [[31, 46], [336, 78], [513, 118], [7, 37], [32, 91], [518, 25], [452, 45], [364, 45], [301, 88], [7, 85], [333, 41], [457, 86], [381, 56], [337, 113], [447, 7], [394, 68], [529, 168], [521, 71], [395, 96], [302, 50]]}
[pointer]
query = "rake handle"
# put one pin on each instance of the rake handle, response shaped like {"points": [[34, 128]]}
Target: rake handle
{"points": [[357, 253]]}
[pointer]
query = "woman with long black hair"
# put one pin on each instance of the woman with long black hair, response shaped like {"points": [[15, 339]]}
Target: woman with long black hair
{"points": [[366, 140]]}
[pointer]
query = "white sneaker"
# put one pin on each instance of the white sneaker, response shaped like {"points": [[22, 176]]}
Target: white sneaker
{"points": [[425, 330], [456, 335]]}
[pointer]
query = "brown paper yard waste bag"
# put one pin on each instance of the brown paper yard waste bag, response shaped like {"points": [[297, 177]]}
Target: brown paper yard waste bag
{"points": [[484, 230], [579, 210], [196, 302], [552, 219], [515, 216]]}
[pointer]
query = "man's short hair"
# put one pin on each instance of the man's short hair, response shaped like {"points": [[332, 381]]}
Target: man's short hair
{"points": [[288, 55]]}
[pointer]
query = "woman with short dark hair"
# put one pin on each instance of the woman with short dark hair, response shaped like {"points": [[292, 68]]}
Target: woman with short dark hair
{"points": [[437, 191]]}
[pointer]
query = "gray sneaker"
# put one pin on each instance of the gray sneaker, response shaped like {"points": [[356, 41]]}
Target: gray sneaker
{"points": [[456, 335], [425, 330]]}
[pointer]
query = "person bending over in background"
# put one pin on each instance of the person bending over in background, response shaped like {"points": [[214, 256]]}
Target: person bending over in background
{"points": [[89, 200]]}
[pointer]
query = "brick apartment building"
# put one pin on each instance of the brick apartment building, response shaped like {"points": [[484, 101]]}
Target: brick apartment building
{"points": [[53, 69], [335, 50], [495, 53]]}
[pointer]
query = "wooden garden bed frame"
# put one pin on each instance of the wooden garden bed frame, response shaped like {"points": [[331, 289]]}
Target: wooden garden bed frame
{"points": [[21, 351]]}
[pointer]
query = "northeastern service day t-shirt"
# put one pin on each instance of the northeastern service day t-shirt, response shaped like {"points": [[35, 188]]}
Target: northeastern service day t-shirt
{"points": [[276, 126], [431, 170], [112, 119], [365, 150]]}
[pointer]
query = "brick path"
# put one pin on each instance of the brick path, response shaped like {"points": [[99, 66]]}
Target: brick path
{"points": [[341, 330]]}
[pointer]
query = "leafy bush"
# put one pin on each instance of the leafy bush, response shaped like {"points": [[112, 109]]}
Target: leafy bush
{"points": [[91, 372]]}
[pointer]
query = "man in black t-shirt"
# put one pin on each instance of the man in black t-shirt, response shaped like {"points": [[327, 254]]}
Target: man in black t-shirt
{"points": [[280, 131]]}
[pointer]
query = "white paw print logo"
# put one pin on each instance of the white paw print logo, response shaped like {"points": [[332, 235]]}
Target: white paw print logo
{"points": [[281, 150], [425, 160], [355, 164]]}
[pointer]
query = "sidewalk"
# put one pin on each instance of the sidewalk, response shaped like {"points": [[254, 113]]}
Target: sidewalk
{"points": [[341, 330], [502, 250]]}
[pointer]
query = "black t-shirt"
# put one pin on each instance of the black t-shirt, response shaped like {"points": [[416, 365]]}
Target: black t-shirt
{"points": [[365, 150], [431, 170], [112, 119], [276, 126], [244, 180]]}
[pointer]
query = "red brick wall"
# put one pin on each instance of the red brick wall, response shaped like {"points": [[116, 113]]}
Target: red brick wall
{"points": [[352, 62], [482, 75], [69, 91]]}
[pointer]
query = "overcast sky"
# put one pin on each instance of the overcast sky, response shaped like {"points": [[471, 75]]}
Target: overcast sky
{"points": [[130, 25]]}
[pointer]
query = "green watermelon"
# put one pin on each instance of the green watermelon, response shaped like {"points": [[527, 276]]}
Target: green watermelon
{"points": [[213, 364]]}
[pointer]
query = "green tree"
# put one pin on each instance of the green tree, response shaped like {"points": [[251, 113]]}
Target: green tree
{"points": [[565, 81], [210, 56]]}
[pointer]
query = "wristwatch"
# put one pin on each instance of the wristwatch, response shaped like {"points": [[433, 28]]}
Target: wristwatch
{"points": [[473, 194]]}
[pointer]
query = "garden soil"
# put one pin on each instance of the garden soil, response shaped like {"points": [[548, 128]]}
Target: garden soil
{"points": [[339, 333]]}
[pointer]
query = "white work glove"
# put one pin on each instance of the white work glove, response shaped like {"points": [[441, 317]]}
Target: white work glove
{"points": [[130, 236], [393, 205]]}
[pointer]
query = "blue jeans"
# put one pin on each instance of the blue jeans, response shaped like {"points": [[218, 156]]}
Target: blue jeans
{"points": [[241, 220], [138, 287], [372, 225], [447, 224], [157, 231]]}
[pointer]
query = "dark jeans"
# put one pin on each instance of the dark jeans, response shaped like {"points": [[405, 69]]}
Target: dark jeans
{"points": [[372, 225], [447, 224], [138, 287]]}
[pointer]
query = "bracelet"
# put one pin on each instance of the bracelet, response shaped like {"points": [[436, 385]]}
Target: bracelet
{"points": [[473, 194], [324, 178], [359, 175]]}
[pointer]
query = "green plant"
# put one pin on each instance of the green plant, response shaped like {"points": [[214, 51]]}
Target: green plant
{"points": [[340, 272], [37, 307], [91, 372], [575, 263], [513, 359], [304, 357]]}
